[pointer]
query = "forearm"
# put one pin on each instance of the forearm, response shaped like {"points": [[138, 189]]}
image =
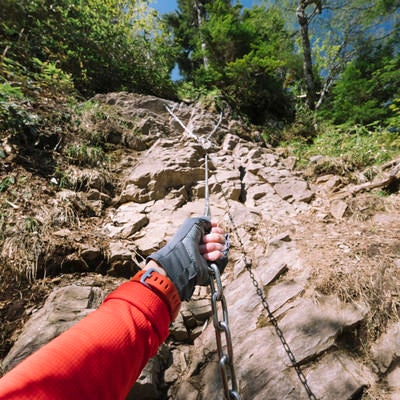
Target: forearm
{"points": [[100, 357]]}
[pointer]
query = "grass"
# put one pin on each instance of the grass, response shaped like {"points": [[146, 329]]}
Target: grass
{"points": [[356, 147], [96, 121], [27, 240], [84, 155], [20, 253]]}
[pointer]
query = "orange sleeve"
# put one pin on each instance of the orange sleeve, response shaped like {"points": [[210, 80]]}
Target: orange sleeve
{"points": [[98, 358]]}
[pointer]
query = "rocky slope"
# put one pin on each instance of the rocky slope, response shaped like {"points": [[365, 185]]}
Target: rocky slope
{"points": [[321, 261]]}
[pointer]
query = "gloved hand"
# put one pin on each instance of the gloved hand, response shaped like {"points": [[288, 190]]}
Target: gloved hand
{"points": [[181, 257]]}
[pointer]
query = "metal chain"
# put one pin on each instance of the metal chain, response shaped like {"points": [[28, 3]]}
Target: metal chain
{"points": [[279, 332], [221, 326], [265, 304], [219, 306]]}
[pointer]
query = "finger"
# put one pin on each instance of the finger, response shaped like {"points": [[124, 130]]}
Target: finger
{"points": [[214, 238], [217, 229], [214, 224], [213, 255], [209, 247]]}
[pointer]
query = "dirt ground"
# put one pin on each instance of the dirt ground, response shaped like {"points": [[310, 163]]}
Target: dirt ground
{"points": [[358, 257]]}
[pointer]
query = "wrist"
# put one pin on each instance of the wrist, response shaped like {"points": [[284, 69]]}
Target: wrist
{"points": [[160, 284], [151, 264]]}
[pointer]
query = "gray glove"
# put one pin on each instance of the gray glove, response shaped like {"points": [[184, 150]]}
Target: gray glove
{"points": [[181, 257]]}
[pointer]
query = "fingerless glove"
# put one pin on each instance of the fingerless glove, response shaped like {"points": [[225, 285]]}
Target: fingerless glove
{"points": [[181, 257]]}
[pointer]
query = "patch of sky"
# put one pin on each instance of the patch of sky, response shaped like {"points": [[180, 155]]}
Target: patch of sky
{"points": [[166, 6]]}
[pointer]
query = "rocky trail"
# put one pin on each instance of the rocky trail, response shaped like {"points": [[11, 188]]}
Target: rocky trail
{"points": [[324, 265]]}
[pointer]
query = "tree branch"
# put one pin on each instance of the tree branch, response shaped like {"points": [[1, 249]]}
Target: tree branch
{"points": [[392, 176]]}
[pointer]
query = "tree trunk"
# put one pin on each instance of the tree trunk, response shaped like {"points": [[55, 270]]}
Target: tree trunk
{"points": [[307, 61], [201, 17]]}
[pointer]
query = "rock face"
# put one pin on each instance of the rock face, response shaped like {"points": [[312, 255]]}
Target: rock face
{"points": [[64, 307], [258, 197]]}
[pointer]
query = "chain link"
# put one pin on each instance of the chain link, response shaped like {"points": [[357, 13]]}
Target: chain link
{"points": [[223, 335]]}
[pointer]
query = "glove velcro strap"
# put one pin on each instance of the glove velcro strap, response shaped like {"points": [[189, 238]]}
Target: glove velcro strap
{"points": [[163, 287]]}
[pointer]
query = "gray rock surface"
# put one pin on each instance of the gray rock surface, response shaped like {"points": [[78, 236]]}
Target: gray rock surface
{"points": [[64, 307], [386, 351]]}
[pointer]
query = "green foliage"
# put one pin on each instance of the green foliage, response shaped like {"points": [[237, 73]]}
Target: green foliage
{"points": [[52, 77], [104, 45], [26, 110], [6, 183], [225, 36], [184, 25], [188, 91], [31, 224], [11, 95], [62, 179], [16, 119], [368, 86], [246, 54], [9, 92], [334, 32], [304, 124], [256, 79], [10, 109], [394, 120]]}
